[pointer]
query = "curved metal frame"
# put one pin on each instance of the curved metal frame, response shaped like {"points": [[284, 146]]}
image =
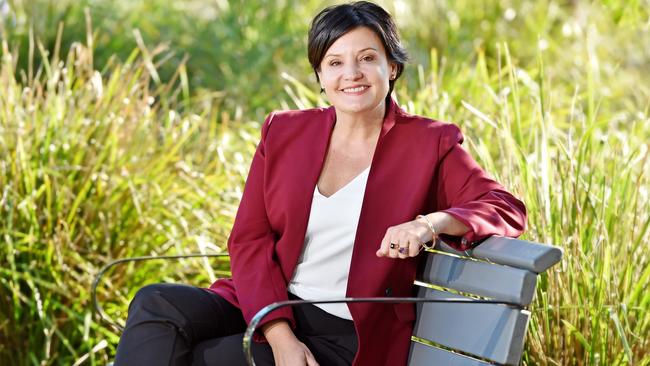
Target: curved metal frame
{"points": [[246, 344], [93, 290], [250, 330]]}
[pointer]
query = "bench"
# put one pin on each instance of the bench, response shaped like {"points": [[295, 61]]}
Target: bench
{"points": [[471, 307]]}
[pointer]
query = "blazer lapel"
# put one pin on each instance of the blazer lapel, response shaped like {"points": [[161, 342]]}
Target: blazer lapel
{"points": [[375, 217], [306, 165]]}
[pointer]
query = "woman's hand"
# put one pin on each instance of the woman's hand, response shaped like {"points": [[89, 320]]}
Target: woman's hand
{"points": [[293, 353], [407, 239], [287, 349]]}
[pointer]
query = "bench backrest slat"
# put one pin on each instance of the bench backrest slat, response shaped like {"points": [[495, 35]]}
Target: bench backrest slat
{"points": [[497, 282], [490, 331], [423, 355], [534, 257]]}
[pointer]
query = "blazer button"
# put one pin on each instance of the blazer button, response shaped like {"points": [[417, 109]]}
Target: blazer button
{"points": [[389, 292]]}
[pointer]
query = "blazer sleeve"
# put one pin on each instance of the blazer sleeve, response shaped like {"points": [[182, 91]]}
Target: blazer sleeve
{"points": [[256, 274], [467, 193]]}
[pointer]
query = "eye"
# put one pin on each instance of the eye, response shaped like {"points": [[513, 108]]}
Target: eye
{"points": [[335, 63], [368, 58]]}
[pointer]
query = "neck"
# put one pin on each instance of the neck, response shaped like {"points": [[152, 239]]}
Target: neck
{"points": [[364, 126]]}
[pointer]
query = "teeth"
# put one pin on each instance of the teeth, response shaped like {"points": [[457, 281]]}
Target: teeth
{"points": [[355, 90]]}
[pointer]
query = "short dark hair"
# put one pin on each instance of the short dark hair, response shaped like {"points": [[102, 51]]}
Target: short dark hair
{"points": [[335, 21]]}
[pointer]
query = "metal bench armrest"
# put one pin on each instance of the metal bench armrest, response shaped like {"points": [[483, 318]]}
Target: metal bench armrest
{"points": [[250, 330], [93, 291]]}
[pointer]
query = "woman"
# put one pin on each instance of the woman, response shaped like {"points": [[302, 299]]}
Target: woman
{"points": [[338, 202]]}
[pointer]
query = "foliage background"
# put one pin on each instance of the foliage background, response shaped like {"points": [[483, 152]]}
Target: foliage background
{"points": [[127, 127]]}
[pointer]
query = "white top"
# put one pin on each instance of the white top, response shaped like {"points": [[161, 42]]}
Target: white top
{"points": [[324, 265]]}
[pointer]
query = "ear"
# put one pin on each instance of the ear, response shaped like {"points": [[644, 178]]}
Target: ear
{"points": [[392, 67]]}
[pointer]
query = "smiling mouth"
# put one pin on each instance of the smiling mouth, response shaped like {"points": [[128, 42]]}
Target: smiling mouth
{"points": [[355, 90]]}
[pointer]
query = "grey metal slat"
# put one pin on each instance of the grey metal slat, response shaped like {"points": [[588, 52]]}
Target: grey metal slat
{"points": [[489, 331], [423, 355], [512, 252], [498, 282]]}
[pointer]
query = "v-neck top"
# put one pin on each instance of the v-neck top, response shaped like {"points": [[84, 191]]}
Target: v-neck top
{"points": [[324, 264]]}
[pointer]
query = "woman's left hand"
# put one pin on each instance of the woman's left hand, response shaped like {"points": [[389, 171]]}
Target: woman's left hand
{"points": [[406, 240]]}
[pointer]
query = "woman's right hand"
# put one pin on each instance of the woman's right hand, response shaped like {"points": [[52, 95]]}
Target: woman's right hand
{"points": [[287, 349], [293, 353]]}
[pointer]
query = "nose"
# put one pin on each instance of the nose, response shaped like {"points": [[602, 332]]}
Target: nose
{"points": [[352, 71]]}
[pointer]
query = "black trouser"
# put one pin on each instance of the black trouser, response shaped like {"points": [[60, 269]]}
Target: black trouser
{"points": [[171, 324]]}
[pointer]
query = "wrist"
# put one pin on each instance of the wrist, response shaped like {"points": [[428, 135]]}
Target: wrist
{"points": [[277, 332], [445, 223], [428, 221]]}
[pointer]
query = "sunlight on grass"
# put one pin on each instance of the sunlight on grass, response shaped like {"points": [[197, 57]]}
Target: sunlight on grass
{"points": [[128, 156]]}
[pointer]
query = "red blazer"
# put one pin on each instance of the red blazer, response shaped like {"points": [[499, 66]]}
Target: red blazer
{"points": [[418, 167]]}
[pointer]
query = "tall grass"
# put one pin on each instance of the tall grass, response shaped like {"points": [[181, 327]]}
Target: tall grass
{"points": [[115, 158], [233, 46], [98, 165]]}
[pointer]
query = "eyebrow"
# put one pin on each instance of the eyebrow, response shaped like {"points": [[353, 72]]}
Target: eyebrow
{"points": [[337, 55]]}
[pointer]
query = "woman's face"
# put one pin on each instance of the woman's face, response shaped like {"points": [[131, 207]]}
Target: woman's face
{"points": [[355, 72]]}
